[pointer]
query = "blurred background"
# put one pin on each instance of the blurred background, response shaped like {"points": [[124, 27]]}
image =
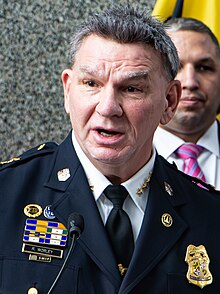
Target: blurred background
{"points": [[34, 44]]}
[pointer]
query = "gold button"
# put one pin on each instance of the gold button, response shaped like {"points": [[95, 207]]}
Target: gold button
{"points": [[32, 291]]}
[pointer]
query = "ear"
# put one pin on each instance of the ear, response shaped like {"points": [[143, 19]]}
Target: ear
{"points": [[173, 94], [66, 80]]}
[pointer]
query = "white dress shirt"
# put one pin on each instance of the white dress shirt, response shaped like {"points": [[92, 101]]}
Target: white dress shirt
{"points": [[134, 204], [209, 160]]}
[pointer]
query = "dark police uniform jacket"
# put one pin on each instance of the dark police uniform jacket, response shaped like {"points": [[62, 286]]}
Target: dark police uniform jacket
{"points": [[158, 264]]}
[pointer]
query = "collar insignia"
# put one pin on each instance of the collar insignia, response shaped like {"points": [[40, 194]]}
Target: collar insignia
{"points": [[63, 174], [122, 269], [168, 188], [144, 186], [167, 220]]}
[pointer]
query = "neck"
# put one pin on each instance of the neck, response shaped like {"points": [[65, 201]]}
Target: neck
{"points": [[185, 135]]}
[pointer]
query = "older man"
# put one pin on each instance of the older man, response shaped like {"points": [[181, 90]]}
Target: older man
{"points": [[144, 231]]}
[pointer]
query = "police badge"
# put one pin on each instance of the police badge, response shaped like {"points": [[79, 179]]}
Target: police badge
{"points": [[198, 262]]}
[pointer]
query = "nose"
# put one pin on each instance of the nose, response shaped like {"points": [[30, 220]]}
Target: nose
{"points": [[188, 78], [109, 103]]}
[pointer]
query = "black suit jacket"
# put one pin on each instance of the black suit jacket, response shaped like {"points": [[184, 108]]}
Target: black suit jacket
{"points": [[157, 265]]}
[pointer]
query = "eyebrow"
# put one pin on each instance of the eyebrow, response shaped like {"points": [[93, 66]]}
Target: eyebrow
{"points": [[201, 60], [88, 70], [136, 75], [132, 75], [206, 59]]}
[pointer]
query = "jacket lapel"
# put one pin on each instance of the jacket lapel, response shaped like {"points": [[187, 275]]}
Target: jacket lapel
{"points": [[155, 239], [75, 196]]}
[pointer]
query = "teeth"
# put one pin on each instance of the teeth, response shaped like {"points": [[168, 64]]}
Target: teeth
{"points": [[106, 134]]}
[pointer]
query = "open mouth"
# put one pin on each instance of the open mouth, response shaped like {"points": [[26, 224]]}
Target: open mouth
{"points": [[107, 133]]}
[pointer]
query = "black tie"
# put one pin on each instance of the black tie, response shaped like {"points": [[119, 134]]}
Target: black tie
{"points": [[119, 228]]}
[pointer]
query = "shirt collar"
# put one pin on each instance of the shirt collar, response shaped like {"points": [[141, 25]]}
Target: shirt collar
{"points": [[209, 141], [98, 182], [160, 137], [135, 183]]}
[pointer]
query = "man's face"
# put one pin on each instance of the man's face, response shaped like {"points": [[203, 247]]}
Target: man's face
{"points": [[116, 95], [199, 75]]}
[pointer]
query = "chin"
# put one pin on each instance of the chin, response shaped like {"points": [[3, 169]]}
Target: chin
{"points": [[109, 160], [185, 118], [108, 157]]}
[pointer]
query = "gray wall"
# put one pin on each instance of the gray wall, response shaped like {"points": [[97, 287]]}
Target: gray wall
{"points": [[34, 43]]}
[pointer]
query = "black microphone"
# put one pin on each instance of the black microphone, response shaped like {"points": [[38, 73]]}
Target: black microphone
{"points": [[75, 227]]}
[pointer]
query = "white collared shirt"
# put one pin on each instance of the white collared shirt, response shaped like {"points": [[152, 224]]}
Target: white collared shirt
{"points": [[209, 160], [134, 205]]}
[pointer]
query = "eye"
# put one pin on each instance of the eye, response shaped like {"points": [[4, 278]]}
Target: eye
{"points": [[204, 68], [90, 83], [132, 89]]}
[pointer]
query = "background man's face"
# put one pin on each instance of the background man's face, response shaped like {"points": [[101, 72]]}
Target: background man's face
{"points": [[199, 75]]}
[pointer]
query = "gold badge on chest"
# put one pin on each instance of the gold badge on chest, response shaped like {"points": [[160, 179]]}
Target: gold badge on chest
{"points": [[198, 266]]}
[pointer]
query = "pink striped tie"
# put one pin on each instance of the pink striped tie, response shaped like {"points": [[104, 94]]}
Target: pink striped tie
{"points": [[189, 153]]}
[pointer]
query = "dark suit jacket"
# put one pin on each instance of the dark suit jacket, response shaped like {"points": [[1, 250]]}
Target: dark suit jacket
{"points": [[157, 265]]}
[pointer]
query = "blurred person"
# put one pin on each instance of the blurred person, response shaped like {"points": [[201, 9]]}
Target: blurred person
{"points": [[195, 119], [102, 212]]}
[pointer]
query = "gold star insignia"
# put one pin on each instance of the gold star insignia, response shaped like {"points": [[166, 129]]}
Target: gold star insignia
{"points": [[145, 185]]}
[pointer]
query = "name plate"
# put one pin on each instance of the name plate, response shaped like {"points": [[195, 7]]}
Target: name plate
{"points": [[44, 251]]}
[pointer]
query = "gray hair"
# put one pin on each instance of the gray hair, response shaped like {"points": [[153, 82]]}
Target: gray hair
{"points": [[125, 24], [191, 24]]}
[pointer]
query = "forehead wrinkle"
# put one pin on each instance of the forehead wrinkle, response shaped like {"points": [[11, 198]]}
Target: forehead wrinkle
{"points": [[89, 70], [130, 75], [95, 71]]}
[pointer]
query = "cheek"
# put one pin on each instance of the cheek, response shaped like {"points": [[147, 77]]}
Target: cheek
{"points": [[211, 90], [141, 116], [80, 112]]}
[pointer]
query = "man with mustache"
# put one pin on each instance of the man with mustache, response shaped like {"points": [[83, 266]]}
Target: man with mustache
{"points": [[195, 119]]}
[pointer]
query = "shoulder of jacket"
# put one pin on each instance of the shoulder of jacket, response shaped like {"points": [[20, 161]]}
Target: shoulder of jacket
{"points": [[167, 163], [40, 150], [193, 180]]}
